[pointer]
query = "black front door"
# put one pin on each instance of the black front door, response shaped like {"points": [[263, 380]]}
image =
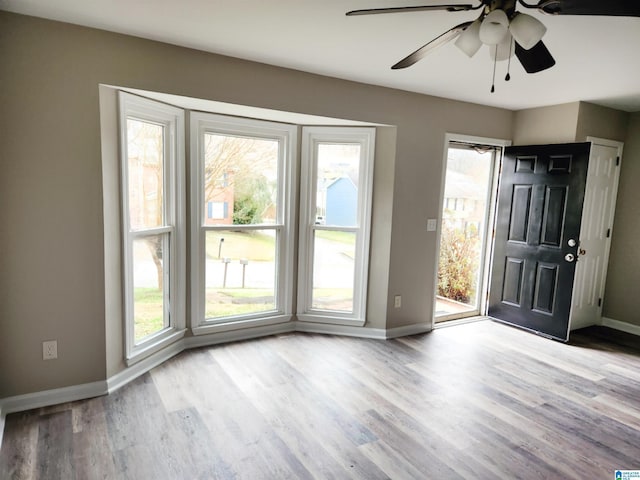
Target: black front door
{"points": [[536, 238]]}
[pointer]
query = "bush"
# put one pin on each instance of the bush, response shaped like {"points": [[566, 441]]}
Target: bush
{"points": [[245, 212], [458, 266], [252, 199]]}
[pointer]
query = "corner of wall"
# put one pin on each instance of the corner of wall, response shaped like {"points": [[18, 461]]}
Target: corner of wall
{"points": [[599, 121], [623, 275], [381, 227], [542, 125], [2, 422], [112, 244]]}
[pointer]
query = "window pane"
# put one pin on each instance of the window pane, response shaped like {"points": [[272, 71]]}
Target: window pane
{"points": [[240, 272], [463, 232], [150, 284], [240, 180], [337, 187], [333, 270], [145, 163]]}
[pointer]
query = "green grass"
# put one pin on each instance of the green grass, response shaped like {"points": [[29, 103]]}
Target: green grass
{"points": [[342, 293], [226, 302], [253, 246], [333, 299], [222, 302], [245, 292], [346, 241], [341, 237], [149, 315]]}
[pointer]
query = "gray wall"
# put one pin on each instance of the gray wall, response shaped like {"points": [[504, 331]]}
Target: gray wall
{"points": [[578, 121], [602, 122], [52, 273], [621, 299], [554, 124]]}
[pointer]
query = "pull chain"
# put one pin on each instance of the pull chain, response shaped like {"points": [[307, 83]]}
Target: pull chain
{"points": [[495, 61], [508, 77]]}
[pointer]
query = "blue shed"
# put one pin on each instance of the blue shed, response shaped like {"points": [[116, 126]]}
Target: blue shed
{"points": [[342, 202]]}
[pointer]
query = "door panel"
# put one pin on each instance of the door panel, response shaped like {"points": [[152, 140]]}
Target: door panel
{"points": [[553, 215], [539, 211], [520, 205], [595, 234]]}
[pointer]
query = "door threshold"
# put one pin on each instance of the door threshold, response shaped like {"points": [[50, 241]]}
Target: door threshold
{"points": [[461, 321]]}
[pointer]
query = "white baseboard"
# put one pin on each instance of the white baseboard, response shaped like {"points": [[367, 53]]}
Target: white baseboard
{"points": [[414, 329], [204, 340], [55, 396], [80, 392], [622, 326], [143, 366], [363, 332], [344, 330]]}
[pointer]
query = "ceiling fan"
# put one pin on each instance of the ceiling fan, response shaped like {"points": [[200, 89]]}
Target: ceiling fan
{"points": [[506, 31]]}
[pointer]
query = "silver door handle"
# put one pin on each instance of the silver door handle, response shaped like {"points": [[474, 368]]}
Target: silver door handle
{"points": [[569, 257]]}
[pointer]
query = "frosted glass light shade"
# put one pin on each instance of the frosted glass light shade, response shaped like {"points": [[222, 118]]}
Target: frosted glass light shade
{"points": [[504, 49], [527, 30], [494, 27], [469, 40]]}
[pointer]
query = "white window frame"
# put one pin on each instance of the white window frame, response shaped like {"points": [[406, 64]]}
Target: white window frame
{"points": [[311, 138], [490, 218], [172, 119], [286, 135]]}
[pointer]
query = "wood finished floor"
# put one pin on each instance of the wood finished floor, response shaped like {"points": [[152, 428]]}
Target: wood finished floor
{"points": [[476, 401]]}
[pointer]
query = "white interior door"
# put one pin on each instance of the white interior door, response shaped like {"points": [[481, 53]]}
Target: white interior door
{"points": [[595, 232]]}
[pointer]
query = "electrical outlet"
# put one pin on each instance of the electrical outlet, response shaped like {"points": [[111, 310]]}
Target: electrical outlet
{"points": [[397, 301], [432, 225], [50, 350]]}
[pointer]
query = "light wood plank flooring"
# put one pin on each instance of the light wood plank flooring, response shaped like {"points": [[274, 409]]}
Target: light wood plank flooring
{"points": [[475, 401]]}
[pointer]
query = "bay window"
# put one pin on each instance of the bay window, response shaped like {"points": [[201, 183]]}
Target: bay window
{"points": [[241, 260], [336, 182], [243, 218], [152, 163]]}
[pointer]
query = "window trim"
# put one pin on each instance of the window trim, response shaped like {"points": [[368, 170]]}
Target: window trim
{"points": [[200, 123], [311, 138], [172, 119]]}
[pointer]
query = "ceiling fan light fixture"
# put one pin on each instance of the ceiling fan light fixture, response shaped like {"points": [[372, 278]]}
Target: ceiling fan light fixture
{"points": [[503, 50], [494, 27], [469, 40], [527, 30]]}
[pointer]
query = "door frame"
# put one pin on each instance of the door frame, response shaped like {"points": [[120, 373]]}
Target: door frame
{"points": [[491, 216], [580, 272]]}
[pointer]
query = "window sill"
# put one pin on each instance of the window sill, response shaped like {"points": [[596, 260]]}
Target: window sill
{"points": [[208, 328], [141, 352], [332, 320]]}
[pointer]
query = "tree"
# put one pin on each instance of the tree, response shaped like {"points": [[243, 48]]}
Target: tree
{"points": [[458, 266], [145, 142], [252, 197], [245, 165], [241, 163]]}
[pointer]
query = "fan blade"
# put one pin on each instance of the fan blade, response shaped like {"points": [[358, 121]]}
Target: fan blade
{"points": [[419, 8], [613, 8], [433, 44], [535, 59]]}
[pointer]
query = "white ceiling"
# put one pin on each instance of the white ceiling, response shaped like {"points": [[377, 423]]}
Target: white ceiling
{"points": [[597, 57]]}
